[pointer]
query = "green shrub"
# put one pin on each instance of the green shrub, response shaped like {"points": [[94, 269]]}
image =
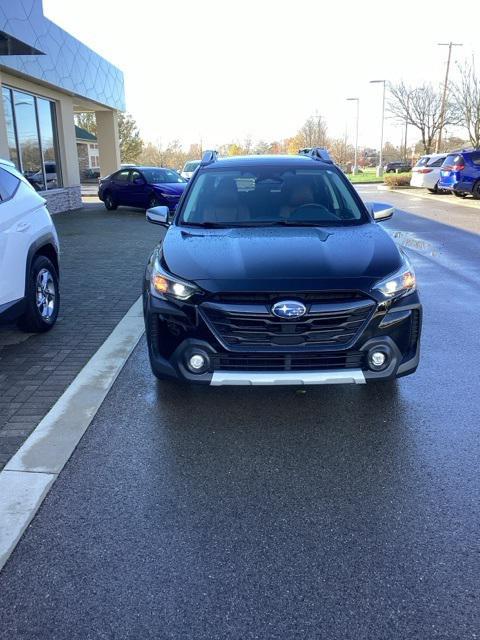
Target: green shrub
{"points": [[397, 179]]}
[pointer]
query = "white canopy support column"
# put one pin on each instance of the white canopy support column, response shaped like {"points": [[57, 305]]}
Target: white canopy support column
{"points": [[108, 141]]}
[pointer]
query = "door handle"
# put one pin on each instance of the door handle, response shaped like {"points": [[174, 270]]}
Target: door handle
{"points": [[23, 226]]}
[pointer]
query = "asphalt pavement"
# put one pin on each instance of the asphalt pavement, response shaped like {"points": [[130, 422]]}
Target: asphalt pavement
{"points": [[345, 512]]}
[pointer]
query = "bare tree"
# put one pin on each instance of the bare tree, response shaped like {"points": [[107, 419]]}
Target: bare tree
{"points": [[313, 133], [421, 108], [466, 98]]}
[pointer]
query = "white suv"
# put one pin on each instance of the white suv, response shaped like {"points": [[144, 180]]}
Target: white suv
{"points": [[426, 173], [29, 291]]}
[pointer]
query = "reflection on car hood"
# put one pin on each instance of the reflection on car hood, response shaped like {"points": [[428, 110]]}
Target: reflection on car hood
{"points": [[174, 188], [278, 258]]}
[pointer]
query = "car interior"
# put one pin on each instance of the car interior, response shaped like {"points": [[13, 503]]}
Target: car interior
{"points": [[238, 199]]}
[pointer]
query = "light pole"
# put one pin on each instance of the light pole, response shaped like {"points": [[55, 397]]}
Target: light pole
{"points": [[355, 165], [406, 127], [380, 163], [445, 88]]}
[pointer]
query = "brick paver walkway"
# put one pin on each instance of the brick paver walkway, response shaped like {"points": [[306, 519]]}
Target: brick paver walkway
{"points": [[102, 262]]}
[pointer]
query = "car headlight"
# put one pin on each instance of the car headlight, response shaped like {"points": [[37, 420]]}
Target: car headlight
{"points": [[400, 283], [169, 196], [165, 284]]}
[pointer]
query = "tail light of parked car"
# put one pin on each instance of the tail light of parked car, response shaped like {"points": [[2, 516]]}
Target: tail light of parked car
{"points": [[424, 170]]}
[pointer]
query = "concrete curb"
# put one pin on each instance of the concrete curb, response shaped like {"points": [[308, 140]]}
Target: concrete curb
{"points": [[30, 474]]}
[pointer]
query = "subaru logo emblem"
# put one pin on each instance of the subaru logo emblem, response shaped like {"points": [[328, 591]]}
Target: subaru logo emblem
{"points": [[289, 309]]}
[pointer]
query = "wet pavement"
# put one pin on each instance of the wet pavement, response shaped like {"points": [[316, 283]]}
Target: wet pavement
{"points": [[341, 512]]}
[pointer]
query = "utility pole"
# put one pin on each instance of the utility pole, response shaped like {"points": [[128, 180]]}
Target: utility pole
{"points": [[445, 88], [355, 167]]}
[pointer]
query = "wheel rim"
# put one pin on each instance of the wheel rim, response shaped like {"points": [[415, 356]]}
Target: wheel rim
{"points": [[45, 294], [108, 201]]}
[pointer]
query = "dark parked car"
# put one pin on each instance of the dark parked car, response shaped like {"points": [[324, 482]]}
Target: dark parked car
{"points": [[397, 167], [274, 271], [142, 187], [460, 173]]}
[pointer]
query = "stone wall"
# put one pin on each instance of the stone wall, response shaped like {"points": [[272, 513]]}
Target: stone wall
{"points": [[65, 199]]}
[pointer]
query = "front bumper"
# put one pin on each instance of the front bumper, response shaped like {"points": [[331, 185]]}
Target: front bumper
{"points": [[176, 331]]}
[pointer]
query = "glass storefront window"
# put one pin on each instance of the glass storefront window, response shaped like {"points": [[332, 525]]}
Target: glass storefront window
{"points": [[32, 138], [28, 140], [10, 125], [46, 121]]}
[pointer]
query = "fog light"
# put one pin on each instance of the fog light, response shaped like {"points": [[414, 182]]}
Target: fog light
{"points": [[378, 358], [196, 362]]}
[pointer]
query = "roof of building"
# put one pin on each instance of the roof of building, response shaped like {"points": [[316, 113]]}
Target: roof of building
{"points": [[36, 47], [83, 134]]}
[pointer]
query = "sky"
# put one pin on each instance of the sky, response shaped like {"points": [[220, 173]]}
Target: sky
{"points": [[219, 71]]}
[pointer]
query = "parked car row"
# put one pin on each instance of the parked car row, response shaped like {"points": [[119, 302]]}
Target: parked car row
{"points": [[457, 173]]}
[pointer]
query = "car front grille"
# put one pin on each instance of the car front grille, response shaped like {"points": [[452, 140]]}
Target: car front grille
{"points": [[330, 322], [288, 361]]}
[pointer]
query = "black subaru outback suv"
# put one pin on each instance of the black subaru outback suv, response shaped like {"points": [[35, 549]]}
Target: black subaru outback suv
{"points": [[274, 271]]}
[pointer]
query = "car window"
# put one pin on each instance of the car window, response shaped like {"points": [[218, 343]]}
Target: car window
{"points": [[134, 175], [269, 195], [8, 185], [423, 161], [190, 166], [162, 176], [448, 162], [122, 176], [436, 162]]}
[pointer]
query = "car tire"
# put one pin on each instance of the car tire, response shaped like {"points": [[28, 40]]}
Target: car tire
{"points": [[476, 190], [109, 202], [153, 202], [42, 297], [460, 194]]}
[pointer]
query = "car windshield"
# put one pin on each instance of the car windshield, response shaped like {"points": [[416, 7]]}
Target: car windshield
{"points": [[191, 166], [160, 176], [268, 196]]}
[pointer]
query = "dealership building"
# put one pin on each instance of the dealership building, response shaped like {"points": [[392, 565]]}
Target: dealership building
{"points": [[46, 76]]}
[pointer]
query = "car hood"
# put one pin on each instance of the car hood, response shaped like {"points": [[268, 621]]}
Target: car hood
{"points": [[283, 259], [173, 188]]}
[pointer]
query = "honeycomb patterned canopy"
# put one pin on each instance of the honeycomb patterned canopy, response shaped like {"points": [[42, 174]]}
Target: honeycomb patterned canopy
{"points": [[65, 62]]}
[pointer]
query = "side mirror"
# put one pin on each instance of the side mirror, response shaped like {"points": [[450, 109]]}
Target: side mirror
{"points": [[380, 211], [158, 215], [139, 181]]}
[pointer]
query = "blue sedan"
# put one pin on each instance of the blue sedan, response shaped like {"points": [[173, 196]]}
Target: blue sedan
{"points": [[143, 187]]}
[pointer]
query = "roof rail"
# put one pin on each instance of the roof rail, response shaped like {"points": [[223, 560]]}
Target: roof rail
{"points": [[317, 153], [208, 157]]}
